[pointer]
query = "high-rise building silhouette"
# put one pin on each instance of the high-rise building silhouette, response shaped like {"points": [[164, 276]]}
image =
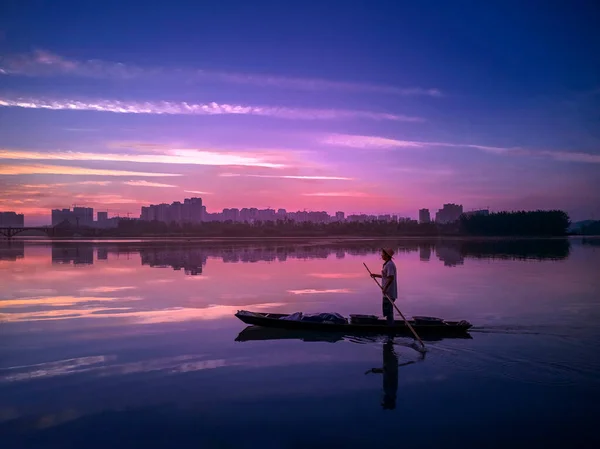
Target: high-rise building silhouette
{"points": [[11, 219], [190, 211], [449, 213], [424, 216], [79, 216]]}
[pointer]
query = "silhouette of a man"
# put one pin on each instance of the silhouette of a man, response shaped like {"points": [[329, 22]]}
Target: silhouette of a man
{"points": [[389, 284]]}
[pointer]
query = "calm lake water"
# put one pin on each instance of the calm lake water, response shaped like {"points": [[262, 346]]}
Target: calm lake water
{"points": [[133, 344]]}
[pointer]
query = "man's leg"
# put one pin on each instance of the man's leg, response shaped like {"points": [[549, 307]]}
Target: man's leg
{"points": [[388, 311]]}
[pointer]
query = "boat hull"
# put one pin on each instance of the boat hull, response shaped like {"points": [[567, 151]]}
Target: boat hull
{"points": [[260, 333], [380, 327]]}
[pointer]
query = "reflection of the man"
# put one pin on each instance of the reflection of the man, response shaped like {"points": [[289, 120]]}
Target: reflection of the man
{"points": [[390, 374]]}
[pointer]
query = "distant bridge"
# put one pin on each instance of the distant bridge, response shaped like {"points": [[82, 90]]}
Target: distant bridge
{"points": [[10, 232]]}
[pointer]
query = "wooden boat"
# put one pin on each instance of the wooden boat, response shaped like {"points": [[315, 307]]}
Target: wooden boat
{"points": [[359, 324], [259, 333]]}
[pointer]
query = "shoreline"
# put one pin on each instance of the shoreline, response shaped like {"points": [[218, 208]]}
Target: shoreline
{"points": [[299, 239]]}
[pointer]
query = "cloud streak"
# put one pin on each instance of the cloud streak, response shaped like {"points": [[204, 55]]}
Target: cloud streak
{"points": [[42, 169], [323, 178], [367, 142], [143, 183], [64, 184], [198, 192], [44, 63], [375, 142], [106, 289], [173, 156], [212, 108], [338, 194], [566, 156]]}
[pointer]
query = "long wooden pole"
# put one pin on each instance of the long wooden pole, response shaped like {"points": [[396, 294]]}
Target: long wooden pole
{"points": [[396, 307]]}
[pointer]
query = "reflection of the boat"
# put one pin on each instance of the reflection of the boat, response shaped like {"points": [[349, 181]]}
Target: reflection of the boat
{"points": [[257, 333], [390, 364]]}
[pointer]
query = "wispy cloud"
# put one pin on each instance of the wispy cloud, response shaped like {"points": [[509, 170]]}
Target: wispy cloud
{"points": [[375, 142], [64, 184], [352, 194], [81, 130], [6, 169], [44, 63], [184, 108], [173, 156], [106, 289], [566, 156], [143, 183], [424, 171], [367, 142], [320, 84], [198, 192], [324, 178], [104, 198], [94, 183]]}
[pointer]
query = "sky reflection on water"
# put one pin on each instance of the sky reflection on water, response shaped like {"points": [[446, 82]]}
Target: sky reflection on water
{"points": [[138, 339]]}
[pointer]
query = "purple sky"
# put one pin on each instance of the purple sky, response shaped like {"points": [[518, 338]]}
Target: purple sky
{"points": [[370, 108]]}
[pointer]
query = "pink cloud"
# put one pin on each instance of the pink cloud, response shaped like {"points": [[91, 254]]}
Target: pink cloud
{"points": [[143, 183], [324, 178], [350, 194], [174, 156], [105, 198], [93, 183], [106, 289], [198, 192], [6, 169]]}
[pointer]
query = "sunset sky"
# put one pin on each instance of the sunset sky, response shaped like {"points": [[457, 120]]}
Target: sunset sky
{"points": [[372, 107]]}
